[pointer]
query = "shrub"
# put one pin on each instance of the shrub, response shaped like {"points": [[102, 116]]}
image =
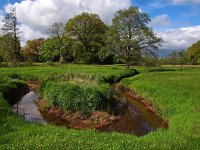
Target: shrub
{"points": [[76, 98]]}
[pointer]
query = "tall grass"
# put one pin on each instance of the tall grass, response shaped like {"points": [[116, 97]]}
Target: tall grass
{"points": [[76, 98]]}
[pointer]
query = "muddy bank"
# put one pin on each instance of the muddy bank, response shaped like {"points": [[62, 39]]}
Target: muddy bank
{"points": [[56, 116]]}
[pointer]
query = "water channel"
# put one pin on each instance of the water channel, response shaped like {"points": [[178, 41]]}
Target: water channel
{"points": [[135, 118]]}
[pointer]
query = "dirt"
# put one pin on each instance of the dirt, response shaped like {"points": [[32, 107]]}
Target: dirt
{"points": [[56, 116], [33, 85]]}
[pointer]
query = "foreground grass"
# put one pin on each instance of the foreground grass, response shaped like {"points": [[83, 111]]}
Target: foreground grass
{"points": [[174, 93]]}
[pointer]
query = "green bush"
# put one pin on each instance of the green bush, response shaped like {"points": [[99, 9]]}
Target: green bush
{"points": [[76, 98]]}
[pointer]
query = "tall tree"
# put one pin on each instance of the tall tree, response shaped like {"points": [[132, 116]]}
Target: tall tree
{"points": [[49, 50], [56, 31], [7, 47], [87, 29], [10, 27], [130, 36], [32, 49]]}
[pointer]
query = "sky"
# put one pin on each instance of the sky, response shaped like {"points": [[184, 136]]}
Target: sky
{"points": [[177, 22]]}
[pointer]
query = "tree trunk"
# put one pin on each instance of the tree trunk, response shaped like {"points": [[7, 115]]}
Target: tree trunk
{"points": [[15, 49], [127, 65]]}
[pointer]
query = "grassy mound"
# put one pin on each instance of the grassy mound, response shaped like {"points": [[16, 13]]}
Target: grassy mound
{"points": [[76, 98]]}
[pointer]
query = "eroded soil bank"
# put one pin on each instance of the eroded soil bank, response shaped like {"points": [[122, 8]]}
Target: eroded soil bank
{"points": [[55, 115]]}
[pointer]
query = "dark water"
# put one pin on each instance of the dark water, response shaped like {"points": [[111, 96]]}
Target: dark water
{"points": [[27, 109], [135, 118]]}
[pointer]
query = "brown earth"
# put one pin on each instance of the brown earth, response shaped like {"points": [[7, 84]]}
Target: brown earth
{"points": [[33, 85], [55, 115]]}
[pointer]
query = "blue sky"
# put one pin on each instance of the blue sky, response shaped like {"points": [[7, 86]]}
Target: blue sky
{"points": [[177, 22], [179, 14]]}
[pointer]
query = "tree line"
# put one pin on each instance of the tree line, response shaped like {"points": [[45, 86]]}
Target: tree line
{"points": [[84, 39], [183, 57], [87, 39]]}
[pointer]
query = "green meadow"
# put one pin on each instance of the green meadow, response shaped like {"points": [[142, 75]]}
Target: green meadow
{"points": [[174, 91]]}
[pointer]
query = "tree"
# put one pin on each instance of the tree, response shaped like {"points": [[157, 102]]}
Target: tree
{"points": [[56, 32], [194, 53], [87, 30], [173, 57], [129, 35], [6, 47], [49, 50], [182, 57], [10, 28], [32, 49]]}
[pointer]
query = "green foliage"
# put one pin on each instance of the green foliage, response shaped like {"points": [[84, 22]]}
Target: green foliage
{"points": [[77, 98], [32, 49], [56, 32], [194, 53], [10, 28], [178, 57], [49, 50], [130, 36], [87, 29], [7, 52]]}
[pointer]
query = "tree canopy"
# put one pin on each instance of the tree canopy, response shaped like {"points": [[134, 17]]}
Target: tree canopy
{"points": [[56, 31], [10, 28], [32, 49], [194, 53], [88, 30], [130, 36]]}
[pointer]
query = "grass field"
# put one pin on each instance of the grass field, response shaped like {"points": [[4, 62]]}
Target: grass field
{"points": [[174, 93]]}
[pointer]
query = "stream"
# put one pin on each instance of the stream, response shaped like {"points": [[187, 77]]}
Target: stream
{"points": [[27, 109], [135, 119]]}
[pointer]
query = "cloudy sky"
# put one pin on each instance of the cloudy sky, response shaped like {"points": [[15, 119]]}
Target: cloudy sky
{"points": [[177, 22]]}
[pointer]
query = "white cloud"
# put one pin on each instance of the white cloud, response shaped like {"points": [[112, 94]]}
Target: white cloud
{"points": [[38, 15], [165, 3], [1, 18], [179, 2], [161, 20], [180, 37]]}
